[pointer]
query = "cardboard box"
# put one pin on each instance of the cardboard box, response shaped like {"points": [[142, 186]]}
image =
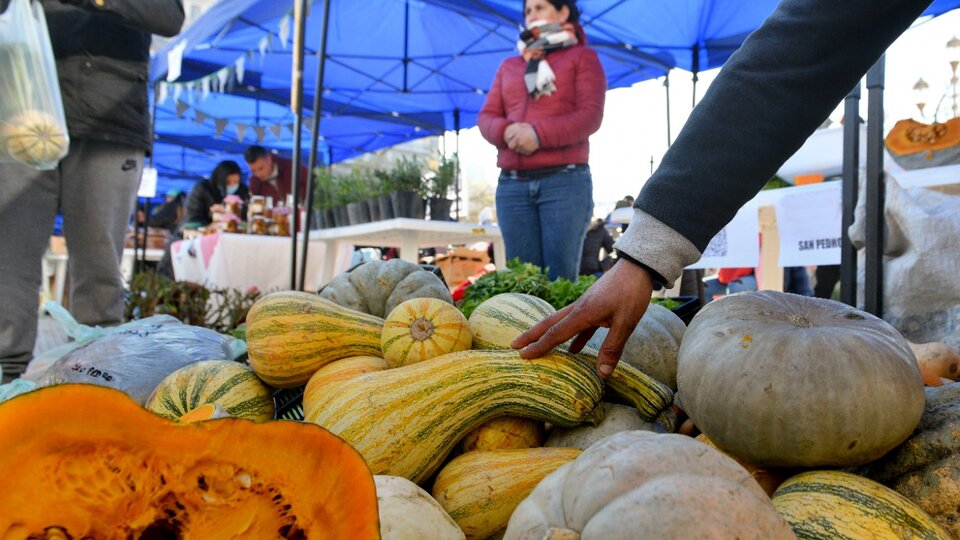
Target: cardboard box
{"points": [[460, 263]]}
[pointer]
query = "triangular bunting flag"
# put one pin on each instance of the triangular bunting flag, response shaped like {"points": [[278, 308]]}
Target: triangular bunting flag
{"points": [[181, 108], [221, 124], [308, 124], [284, 32], [263, 45], [261, 133], [222, 77], [201, 116], [277, 130], [290, 128], [240, 66], [241, 130]]}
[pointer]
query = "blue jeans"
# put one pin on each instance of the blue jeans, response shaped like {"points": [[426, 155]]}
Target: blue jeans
{"points": [[544, 220]]}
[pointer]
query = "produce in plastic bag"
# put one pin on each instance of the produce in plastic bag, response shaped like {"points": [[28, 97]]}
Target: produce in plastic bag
{"points": [[33, 127], [135, 357]]}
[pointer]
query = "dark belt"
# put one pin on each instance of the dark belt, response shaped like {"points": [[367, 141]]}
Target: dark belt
{"points": [[534, 174]]}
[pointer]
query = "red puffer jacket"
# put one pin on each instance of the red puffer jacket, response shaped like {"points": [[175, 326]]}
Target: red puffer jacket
{"points": [[563, 120]]}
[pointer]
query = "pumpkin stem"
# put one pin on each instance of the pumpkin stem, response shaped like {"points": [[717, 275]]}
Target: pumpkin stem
{"points": [[556, 533], [421, 329], [800, 321]]}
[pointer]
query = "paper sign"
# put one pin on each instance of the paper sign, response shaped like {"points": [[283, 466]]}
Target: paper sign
{"points": [[737, 245], [809, 223], [148, 183]]}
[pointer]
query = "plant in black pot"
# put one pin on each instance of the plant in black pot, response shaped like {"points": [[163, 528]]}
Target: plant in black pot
{"points": [[342, 195], [438, 188], [384, 188], [323, 186], [406, 180], [358, 185]]}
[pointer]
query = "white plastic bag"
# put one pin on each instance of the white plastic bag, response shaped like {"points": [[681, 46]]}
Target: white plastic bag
{"points": [[133, 357], [921, 269], [33, 127]]}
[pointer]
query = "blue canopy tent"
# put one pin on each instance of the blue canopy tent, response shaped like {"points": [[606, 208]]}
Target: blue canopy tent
{"points": [[421, 66]]}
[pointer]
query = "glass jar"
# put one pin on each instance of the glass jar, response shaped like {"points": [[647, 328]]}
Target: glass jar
{"points": [[233, 208], [256, 206], [283, 225], [258, 225], [230, 226]]}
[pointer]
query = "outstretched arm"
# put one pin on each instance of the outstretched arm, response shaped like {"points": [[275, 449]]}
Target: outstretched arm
{"points": [[771, 95]]}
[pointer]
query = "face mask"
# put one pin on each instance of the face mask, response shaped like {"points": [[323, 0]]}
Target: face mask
{"points": [[233, 189]]}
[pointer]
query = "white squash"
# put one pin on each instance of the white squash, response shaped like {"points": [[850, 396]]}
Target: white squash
{"points": [[407, 512]]}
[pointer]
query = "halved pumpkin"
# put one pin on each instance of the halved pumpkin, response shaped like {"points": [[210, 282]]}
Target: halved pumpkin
{"points": [[83, 461]]}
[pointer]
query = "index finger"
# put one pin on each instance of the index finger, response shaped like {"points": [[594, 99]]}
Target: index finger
{"points": [[553, 331]]}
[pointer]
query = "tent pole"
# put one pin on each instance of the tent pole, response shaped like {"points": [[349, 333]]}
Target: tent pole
{"points": [[851, 173], [666, 86], [406, 43], [875, 193], [456, 153], [696, 70], [296, 103], [314, 140]]}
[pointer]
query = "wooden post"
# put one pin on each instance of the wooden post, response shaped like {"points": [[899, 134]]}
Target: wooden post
{"points": [[769, 274]]}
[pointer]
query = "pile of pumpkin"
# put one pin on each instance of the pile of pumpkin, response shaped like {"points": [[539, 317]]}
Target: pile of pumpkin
{"points": [[821, 408]]}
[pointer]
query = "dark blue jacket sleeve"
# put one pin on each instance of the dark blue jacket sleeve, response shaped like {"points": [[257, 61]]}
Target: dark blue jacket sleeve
{"points": [[772, 94]]}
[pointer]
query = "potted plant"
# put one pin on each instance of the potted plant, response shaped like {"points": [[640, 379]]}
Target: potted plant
{"points": [[323, 198], [342, 195], [358, 192], [406, 180], [438, 187], [384, 188]]}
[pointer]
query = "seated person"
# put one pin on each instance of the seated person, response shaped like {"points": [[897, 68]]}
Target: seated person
{"points": [[206, 197]]}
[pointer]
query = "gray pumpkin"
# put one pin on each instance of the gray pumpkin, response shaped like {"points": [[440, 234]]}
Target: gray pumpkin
{"points": [[377, 287], [652, 347], [616, 418]]}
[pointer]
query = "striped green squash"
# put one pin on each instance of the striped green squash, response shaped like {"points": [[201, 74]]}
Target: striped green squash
{"points": [[836, 505], [498, 320], [404, 421], [231, 385], [290, 335], [423, 328]]}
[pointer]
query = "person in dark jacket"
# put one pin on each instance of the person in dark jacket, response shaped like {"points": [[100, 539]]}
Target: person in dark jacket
{"points": [[207, 195], [540, 119], [169, 215], [597, 238], [102, 51], [770, 96]]}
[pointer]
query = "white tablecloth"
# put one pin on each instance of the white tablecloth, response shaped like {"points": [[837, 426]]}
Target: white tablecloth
{"points": [[242, 261]]}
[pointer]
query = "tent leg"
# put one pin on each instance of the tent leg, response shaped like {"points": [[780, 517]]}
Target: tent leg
{"points": [[851, 173], [296, 103], [666, 87], [314, 140], [456, 147], [875, 193]]}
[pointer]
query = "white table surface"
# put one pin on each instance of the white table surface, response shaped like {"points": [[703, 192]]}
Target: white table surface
{"points": [[409, 235], [242, 261]]}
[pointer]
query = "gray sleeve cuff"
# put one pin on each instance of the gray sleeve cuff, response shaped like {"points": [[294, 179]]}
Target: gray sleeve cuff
{"points": [[658, 246]]}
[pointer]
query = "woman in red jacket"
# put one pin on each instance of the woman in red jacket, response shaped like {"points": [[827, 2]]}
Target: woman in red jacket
{"points": [[541, 108]]}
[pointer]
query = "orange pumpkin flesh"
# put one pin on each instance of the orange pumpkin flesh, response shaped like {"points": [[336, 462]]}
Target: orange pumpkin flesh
{"points": [[83, 461]]}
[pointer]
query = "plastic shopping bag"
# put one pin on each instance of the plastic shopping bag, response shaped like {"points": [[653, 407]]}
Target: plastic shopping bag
{"points": [[133, 357], [33, 127]]}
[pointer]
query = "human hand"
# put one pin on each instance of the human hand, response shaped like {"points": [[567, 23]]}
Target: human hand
{"points": [[616, 301], [510, 134], [524, 139]]}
